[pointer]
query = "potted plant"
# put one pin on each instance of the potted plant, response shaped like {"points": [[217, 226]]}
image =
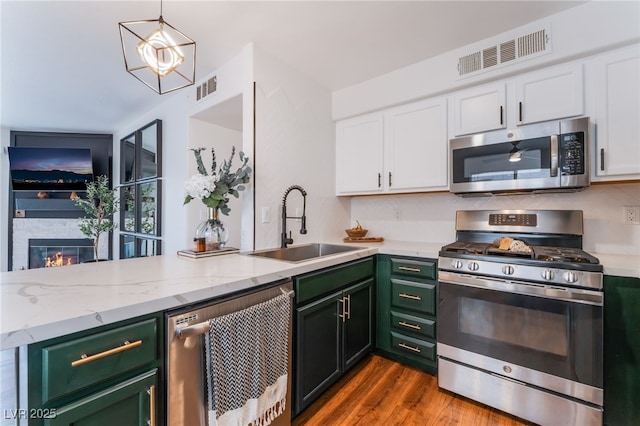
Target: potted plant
{"points": [[99, 207]]}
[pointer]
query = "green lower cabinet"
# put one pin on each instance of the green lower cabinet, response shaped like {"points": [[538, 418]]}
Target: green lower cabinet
{"points": [[621, 351], [130, 403], [111, 375], [333, 332], [406, 292]]}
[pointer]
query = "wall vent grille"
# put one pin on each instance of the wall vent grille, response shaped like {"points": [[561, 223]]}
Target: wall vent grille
{"points": [[505, 53], [206, 88], [490, 57], [470, 63]]}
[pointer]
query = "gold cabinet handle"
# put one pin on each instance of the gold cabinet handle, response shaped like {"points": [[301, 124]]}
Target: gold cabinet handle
{"points": [[410, 296], [152, 405], [343, 315], [411, 348], [406, 324], [408, 268], [85, 359]]}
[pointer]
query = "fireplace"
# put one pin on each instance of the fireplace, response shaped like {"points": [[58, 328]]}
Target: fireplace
{"points": [[55, 252]]}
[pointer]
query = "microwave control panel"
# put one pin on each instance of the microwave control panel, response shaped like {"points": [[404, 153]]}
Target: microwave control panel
{"points": [[572, 154]]}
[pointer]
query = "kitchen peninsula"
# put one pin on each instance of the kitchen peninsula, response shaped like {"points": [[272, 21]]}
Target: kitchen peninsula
{"points": [[40, 304]]}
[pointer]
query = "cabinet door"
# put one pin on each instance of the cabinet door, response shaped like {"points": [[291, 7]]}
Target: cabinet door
{"points": [[479, 109], [359, 152], [617, 109], [318, 348], [416, 146], [130, 403], [550, 94], [358, 322]]}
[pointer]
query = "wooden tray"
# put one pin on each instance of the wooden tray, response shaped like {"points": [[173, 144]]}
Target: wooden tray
{"points": [[363, 239]]}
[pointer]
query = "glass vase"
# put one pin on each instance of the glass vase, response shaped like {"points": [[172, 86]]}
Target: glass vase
{"points": [[212, 232]]}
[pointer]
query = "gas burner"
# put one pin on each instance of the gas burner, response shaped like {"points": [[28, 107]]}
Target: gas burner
{"points": [[562, 254], [466, 248]]}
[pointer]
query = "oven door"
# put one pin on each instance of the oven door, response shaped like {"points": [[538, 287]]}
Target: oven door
{"points": [[547, 336]]}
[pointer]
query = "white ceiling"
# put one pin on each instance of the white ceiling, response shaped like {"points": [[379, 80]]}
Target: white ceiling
{"points": [[62, 67]]}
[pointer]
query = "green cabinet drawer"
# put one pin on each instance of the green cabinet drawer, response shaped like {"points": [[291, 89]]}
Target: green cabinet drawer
{"points": [[76, 364], [414, 268], [420, 297], [313, 285], [131, 402], [414, 348], [420, 327]]}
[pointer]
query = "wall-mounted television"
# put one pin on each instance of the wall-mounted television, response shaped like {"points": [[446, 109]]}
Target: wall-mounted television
{"points": [[50, 169]]}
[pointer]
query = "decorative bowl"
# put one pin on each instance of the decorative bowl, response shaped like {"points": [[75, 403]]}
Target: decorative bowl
{"points": [[356, 233]]}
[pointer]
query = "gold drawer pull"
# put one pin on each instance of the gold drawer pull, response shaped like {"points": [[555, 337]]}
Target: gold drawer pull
{"points": [[85, 359], [407, 268], [152, 405], [411, 348], [406, 324], [410, 296]]}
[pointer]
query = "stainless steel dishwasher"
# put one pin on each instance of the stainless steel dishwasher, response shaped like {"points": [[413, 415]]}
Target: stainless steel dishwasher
{"points": [[185, 328]]}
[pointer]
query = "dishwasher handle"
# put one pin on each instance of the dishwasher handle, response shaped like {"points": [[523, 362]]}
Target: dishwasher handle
{"points": [[204, 326]]}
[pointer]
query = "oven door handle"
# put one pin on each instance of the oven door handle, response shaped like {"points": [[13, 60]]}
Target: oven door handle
{"points": [[566, 294]]}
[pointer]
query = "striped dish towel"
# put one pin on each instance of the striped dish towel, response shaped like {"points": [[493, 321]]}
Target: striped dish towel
{"points": [[246, 356]]}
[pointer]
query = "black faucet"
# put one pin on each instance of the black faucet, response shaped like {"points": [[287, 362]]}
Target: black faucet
{"points": [[284, 240]]}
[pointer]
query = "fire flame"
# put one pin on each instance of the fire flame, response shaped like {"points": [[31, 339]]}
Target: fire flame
{"points": [[58, 261]]}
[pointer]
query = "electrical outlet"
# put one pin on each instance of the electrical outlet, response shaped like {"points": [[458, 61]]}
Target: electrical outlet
{"points": [[632, 214], [397, 214]]}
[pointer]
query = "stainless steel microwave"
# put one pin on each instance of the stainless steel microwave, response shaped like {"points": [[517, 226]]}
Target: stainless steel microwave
{"points": [[548, 156]]}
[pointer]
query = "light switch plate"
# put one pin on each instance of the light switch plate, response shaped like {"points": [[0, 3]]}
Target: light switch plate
{"points": [[266, 215]]}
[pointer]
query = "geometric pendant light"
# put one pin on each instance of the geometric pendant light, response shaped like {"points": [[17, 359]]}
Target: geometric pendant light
{"points": [[158, 54]]}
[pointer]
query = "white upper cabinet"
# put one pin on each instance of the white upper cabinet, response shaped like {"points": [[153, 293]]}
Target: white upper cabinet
{"points": [[617, 114], [402, 149], [549, 94], [479, 109], [416, 146], [359, 155]]}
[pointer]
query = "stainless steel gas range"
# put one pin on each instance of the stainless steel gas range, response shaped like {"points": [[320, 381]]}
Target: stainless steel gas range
{"points": [[520, 317]]}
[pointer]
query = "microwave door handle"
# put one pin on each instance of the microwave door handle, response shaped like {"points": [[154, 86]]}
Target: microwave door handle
{"points": [[554, 155]]}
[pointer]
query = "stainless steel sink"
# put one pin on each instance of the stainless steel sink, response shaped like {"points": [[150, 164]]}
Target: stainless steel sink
{"points": [[303, 252]]}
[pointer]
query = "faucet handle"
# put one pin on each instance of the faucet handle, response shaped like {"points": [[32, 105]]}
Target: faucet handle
{"points": [[289, 240], [303, 225]]}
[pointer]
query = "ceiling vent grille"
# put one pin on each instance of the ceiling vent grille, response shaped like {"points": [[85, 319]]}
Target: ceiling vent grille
{"points": [[505, 53], [206, 88]]}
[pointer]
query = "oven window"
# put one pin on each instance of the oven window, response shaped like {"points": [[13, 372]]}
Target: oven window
{"points": [[518, 160], [557, 337], [515, 325]]}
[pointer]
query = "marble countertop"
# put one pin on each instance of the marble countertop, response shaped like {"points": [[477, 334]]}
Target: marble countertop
{"points": [[40, 304]]}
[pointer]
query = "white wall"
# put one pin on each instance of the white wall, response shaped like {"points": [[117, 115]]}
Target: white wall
{"points": [[431, 217], [294, 146], [209, 136], [579, 31], [178, 221]]}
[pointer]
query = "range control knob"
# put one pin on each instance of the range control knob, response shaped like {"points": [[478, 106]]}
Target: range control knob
{"points": [[547, 274], [456, 264], [473, 266], [508, 269], [571, 277]]}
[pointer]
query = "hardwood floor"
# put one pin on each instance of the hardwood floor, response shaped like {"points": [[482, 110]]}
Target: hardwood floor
{"points": [[379, 391]]}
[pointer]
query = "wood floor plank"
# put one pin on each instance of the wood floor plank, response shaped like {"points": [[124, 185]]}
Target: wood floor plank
{"points": [[380, 391]]}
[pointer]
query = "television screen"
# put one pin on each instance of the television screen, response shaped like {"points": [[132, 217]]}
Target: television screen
{"points": [[50, 169]]}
